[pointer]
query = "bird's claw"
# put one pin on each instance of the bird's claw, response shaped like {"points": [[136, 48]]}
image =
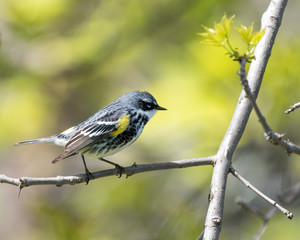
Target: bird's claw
{"points": [[120, 170], [88, 176]]}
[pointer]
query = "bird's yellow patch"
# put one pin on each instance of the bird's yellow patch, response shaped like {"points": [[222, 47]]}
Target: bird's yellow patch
{"points": [[122, 125], [69, 130]]}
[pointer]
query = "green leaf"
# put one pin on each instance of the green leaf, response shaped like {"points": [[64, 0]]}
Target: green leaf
{"points": [[257, 36], [250, 38], [211, 36], [218, 36], [226, 24], [245, 33]]}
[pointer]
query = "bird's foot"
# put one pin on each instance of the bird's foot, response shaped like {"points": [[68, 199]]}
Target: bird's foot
{"points": [[120, 170], [88, 176]]}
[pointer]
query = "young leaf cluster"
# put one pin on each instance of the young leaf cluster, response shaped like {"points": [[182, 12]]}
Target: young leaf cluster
{"points": [[220, 36]]}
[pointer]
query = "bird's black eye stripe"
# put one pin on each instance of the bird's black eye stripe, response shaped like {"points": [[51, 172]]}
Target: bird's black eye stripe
{"points": [[146, 105]]}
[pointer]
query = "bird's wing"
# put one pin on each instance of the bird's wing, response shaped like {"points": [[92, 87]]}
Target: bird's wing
{"points": [[109, 125]]}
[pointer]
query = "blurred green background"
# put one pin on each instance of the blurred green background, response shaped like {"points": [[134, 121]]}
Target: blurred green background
{"points": [[62, 60]]}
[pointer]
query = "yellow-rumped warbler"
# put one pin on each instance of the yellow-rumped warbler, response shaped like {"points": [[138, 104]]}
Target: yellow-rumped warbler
{"points": [[108, 131]]}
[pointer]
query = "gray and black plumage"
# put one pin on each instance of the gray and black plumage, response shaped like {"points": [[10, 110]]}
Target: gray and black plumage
{"points": [[108, 131]]}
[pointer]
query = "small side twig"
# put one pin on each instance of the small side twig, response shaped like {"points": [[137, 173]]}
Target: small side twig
{"points": [[292, 108], [262, 228], [271, 136], [259, 193], [288, 197], [250, 208], [200, 237], [265, 217]]}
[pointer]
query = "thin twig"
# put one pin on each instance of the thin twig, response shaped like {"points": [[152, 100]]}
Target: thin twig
{"points": [[129, 171], [259, 193], [271, 136], [250, 208], [265, 217], [288, 197], [292, 108], [200, 237]]}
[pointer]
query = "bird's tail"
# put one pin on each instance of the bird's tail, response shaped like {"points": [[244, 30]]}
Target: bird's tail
{"points": [[40, 140]]}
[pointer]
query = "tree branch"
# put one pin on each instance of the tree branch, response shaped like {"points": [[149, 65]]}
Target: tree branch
{"points": [[271, 136], [292, 108], [265, 217], [288, 197], [259, 193], [271, 21], [129, 171], [250, 208]]}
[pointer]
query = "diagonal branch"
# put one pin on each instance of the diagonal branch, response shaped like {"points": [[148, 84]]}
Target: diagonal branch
{"points": [[259, 193], [271, 136], [252, 209], [290, 196], [264, 217], [129, 171]]}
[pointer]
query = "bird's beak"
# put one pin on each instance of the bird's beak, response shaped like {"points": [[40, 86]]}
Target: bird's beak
{"points": [[160, 108]]}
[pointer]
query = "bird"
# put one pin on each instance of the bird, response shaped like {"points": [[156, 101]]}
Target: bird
{"points": [[108, 131]]}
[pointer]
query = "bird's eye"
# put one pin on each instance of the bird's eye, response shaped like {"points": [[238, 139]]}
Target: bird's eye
{"points": [[149, 105], [146, 105]]}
